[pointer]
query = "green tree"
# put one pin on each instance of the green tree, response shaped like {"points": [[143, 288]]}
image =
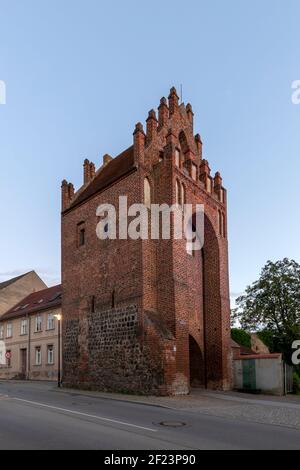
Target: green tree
{"points": [[273, 303], [241, 337]]}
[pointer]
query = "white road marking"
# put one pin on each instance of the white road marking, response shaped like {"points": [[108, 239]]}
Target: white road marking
{"points": [[84, 414]]}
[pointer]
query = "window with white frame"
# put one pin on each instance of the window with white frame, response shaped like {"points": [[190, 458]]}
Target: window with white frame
{"points": [[9, 330], [38, 323], [24, 326], [50, 354], [1, 331], [50, 322], [38, 356]]}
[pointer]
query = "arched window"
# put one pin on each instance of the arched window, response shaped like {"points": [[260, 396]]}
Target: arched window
{"points": [[224, 225], [194, 172], [209, 185], [177, 158], [220, 222], [147, 193], [178, 193], [222, 196], [183, 196], [191, 235]]}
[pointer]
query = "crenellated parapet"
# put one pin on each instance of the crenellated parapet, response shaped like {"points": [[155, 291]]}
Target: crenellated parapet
{"points": [[67, 194], [152, 125], [172, 127], [168, 136]]}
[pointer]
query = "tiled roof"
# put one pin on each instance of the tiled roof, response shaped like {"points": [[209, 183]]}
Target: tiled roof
{"points": [[11, 281], [36, 302], [243, 349], [112, 172]]}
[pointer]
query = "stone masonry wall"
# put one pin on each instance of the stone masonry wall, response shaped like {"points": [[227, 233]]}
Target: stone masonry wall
{"points": [[113, 356]]}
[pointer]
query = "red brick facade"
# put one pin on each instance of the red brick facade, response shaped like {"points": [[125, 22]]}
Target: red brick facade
{"points": [[144, 315]]}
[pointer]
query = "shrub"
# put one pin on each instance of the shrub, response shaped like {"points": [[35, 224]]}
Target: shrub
{"points": [[241, 337], [296, 383]]}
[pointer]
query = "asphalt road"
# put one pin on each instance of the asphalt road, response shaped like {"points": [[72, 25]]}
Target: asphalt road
{"points": [[36, 416]]}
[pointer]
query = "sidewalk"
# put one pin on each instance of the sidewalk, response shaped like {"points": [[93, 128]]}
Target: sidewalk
{"points": [[279, 411]]}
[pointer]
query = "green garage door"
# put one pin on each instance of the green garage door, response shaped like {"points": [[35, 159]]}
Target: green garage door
{"points": [[249, 374]]}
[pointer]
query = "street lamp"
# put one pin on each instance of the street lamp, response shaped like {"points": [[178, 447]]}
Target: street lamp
{"points": [[59, 319]]}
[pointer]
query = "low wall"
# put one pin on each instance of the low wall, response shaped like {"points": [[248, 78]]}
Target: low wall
{"points": [[259, 373]]}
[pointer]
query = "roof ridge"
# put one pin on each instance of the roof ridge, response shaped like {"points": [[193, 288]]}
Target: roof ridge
{"points": [[14, 279], [106, 175], [30, 301]]}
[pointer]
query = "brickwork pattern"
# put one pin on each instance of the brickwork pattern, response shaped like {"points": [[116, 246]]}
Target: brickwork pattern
{"points": [[186, 296]]}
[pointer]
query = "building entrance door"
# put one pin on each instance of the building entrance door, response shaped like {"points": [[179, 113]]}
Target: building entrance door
{"points": [[23, 363]]}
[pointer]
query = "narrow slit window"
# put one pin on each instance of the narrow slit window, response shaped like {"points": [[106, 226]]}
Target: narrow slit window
{"points": [[147, 193], [82, 237], [177, 158]]}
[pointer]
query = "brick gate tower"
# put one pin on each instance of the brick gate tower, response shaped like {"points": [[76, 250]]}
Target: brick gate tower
{"points": [[147, 316]]}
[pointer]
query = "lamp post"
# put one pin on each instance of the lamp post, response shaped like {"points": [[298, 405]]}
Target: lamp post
{"points": [[59, 319]]}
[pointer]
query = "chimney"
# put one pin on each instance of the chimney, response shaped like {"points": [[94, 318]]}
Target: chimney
{"points": [[218, 181], [218, 187], [173, 101], [92, 170], [86, 171], [107, 159], [71, 191], [190, 114], [204, 171], [65, 199], [163, 113], [151, 126], [139, 139], [199, 145]]}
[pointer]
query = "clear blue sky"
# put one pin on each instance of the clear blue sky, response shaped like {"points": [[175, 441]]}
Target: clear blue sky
{"points": [[80, 74]]}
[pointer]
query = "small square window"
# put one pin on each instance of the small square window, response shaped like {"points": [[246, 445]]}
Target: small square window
{"points": [[81, 234]]}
